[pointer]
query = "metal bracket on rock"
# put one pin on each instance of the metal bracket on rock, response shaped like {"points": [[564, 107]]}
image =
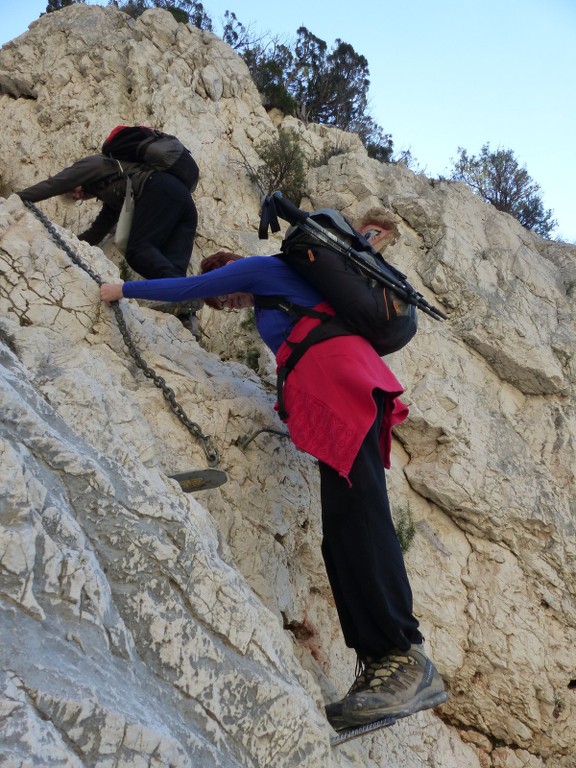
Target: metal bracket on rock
{"points": [[200, 479], [244, 442]]}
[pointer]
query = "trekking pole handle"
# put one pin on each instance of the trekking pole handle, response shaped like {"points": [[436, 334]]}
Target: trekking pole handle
{"points": [[290, 212]]}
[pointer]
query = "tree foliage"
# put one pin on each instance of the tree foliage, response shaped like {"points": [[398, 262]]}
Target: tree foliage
{"points": [[317, 85], [268, 65], [236, 34], [281, 167], [405, 527], [184, 11], [57, 5], [500, 180]]}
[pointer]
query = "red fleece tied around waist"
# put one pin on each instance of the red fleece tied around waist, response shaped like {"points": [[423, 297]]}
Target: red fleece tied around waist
{"points": [[328, 397]]}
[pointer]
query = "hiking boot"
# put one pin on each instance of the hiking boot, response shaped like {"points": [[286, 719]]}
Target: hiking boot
{"points": [[190, 322], [397, 685]]}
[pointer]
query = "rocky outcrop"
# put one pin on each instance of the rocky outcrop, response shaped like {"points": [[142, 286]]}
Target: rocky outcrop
{"points": [[143, 625]]}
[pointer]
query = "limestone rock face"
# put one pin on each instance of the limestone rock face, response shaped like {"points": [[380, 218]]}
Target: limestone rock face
{"points": [[143, 625]]}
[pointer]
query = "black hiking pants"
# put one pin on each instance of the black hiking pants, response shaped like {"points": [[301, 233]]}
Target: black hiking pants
{"points": [[362, 554], [163, 228]]}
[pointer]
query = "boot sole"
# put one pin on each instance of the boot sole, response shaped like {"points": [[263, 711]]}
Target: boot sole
{"points": [[369, 715]]}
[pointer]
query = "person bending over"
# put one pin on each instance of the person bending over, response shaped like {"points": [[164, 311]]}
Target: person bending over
{"points": [[342, 401], [165, 218]]}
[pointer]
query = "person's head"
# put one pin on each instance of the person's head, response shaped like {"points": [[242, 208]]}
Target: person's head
{"points": [[217, 260], [378, 227], [78, 193], [233, 300]]}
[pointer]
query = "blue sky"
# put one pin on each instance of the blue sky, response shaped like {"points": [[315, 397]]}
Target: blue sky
{"points": [[449, 74]]}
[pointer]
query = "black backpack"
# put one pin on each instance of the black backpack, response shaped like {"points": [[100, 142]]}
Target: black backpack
{"points": [[370, 297], [155, 149]]}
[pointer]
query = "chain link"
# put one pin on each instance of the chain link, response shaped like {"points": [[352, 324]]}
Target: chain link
{"points": [[210, 449]]}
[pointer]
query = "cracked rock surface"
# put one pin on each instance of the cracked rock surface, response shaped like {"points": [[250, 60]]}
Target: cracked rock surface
{"points": [[144, 626]]}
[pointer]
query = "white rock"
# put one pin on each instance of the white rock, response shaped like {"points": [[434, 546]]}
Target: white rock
{"points": [[142, 624]]}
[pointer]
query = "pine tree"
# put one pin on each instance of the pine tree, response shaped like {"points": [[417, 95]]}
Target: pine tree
{"points": [[498, 178], [57, 5]]}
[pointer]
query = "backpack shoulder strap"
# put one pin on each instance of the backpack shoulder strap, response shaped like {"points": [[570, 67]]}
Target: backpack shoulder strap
{"points": [[290, 308], [328, 328]]}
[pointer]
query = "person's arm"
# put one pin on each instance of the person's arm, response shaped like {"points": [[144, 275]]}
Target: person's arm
{"points": [[243, 276], [171, 288], [81, 173], [102, 224]]}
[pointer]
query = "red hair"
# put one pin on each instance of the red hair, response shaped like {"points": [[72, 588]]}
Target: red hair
{"points": [[216, 261]]}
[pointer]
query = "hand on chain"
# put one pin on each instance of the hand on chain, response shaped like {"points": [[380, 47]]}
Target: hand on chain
{"points": [[110, 292]]}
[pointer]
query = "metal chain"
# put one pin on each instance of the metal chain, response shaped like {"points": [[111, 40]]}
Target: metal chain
{"points": [[210, 449]]}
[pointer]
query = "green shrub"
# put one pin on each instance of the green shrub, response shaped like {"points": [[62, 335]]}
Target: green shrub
{"points": [[281, 166], [405, 527]]}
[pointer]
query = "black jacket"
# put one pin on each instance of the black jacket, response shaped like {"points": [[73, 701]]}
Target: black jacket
{"points": [[100, 176]]}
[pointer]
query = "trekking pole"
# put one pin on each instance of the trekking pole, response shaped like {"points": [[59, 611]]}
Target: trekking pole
{"points": [[367, 262], [406, 291]]}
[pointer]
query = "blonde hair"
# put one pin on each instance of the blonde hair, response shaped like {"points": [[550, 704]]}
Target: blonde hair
{"points": [[384, 219]]}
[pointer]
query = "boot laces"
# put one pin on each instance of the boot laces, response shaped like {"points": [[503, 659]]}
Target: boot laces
{"points": [[371, 673]]}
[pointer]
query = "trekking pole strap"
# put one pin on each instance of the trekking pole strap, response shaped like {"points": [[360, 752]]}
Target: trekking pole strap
{"points": [[276, 205], [287, 210]]}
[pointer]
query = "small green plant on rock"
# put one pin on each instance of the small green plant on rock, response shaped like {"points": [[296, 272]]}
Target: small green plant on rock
{"points": [[405, 527], [281, 167]]}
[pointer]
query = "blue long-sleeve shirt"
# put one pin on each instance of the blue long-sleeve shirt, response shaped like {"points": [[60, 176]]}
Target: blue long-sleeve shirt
{"points": [[257, 275]]}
